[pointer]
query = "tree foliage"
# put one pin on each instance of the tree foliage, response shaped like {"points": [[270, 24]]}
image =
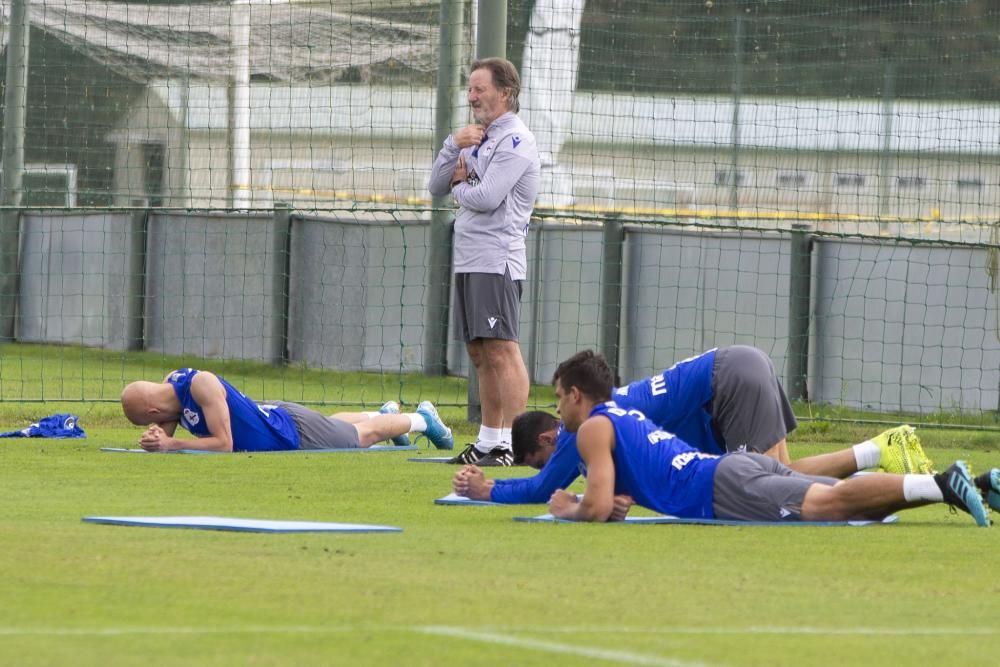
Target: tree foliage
{"points": [[922, 49]]}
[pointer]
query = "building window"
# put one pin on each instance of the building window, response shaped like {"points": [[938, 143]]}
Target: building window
{"points": [[849, 180], [969, 183], [46, 184], [730, 177], [792, 179], [910, 182]]}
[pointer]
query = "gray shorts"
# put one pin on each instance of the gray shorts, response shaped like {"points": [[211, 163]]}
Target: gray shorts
{"points": [[487, 305], [318, 431], [754, 487], [749, 410]]}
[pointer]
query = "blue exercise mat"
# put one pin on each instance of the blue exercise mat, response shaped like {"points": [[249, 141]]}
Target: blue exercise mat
{"points": [[374, 448], [239, 525], [548, 518], [455, 499]]}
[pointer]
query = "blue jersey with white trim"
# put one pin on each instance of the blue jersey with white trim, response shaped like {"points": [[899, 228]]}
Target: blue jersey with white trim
{"points": [[660, 471], [255, 428], [678, 400]]}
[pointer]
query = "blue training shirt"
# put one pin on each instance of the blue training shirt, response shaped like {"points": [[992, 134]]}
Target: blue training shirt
{"points": [[660, 471], [255, 428], [678, 400], [561, 470]]}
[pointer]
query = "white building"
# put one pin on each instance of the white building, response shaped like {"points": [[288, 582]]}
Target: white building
{"points": [[319, 145]]}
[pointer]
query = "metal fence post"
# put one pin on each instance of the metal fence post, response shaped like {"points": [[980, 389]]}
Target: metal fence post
{"points": [[611, 290], [135, 280], [281, 228], [799, 288], [734, 192], [12, 164], [885, 154], [536, 276], [10, 243], [492, 42], [440, 236]]}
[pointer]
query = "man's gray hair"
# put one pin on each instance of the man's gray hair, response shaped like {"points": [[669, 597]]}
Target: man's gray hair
{"points": [[505, 77]]}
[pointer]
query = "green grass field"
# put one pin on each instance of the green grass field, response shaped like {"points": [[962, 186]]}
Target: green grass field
{"points": [[459, 585]]}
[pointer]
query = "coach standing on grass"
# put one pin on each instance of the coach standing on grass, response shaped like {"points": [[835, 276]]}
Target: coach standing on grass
{"points": [[492, 169]]}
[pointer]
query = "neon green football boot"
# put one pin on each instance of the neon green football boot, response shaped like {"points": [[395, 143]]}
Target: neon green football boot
{"points": [[901, 452], [924, 465]]}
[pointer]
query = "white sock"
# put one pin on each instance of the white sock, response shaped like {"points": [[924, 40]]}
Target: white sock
{"points": [[489, 438], [921, 487], [417, 422], [867, 454], [505, 438], [371, 415]]}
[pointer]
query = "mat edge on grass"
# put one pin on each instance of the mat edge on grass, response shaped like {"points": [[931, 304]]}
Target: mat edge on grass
{"points": [[239, 524], [330, 450], [645, 520]]}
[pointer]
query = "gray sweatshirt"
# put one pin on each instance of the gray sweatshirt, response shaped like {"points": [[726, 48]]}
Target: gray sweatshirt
{"points": [[495, 201]]}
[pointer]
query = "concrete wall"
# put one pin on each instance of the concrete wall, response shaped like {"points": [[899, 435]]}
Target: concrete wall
{"points": [[208, 285], [896, 325], [356, 289], [688, 291], [74, 278], [904, 327]]}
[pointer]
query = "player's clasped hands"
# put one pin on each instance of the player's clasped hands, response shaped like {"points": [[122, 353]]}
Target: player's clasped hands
{"points": [[154, 439], [460, 482], [622, 505], [470, 135], [561, 503], [470, 482]]}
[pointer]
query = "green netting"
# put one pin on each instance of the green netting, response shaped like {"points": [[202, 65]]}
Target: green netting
{"points": [[244, 186]]}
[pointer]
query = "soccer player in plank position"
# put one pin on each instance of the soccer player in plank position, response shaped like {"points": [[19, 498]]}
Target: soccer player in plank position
{"points": [[224, 420], [725, 399], [629, 459]]}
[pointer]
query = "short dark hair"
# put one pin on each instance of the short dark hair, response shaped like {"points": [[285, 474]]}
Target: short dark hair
{"points": [[589, 372], [505, 77], [524, 432]]}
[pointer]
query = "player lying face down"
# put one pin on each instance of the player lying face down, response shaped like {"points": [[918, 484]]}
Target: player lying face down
{"points": [[628, 456]]}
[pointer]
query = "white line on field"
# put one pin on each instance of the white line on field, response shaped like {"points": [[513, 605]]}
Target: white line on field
{"points": [[762, 630], [167, 630], [553, 647], [496, 631]]}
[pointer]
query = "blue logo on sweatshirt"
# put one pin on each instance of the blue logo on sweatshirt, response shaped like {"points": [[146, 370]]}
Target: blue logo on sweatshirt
{"points": [[516, 140]]}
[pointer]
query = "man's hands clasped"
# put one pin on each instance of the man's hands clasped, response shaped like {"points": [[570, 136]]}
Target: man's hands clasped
{"points": [[155, 439]]}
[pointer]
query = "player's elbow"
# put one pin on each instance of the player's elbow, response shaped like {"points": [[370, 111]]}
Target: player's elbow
{"points": [[598, 512], [602, 516]]}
